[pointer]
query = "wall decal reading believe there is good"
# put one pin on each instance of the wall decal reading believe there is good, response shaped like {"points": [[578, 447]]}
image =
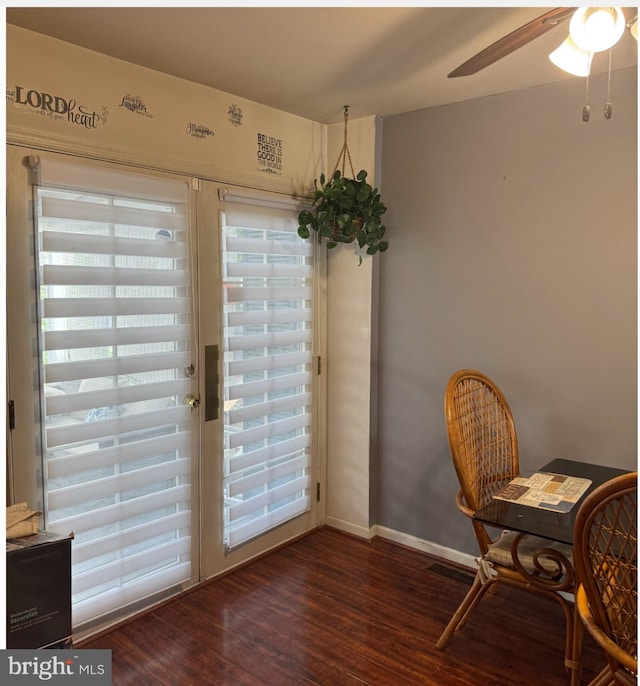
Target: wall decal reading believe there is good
{"points": [[269, 154], [55, 107]]}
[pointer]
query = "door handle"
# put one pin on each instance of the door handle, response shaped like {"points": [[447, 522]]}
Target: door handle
{"points": [[211, 382], [192, 401]]}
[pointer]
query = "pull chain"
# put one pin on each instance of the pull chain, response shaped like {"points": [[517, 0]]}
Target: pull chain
{"points": [[586, 110], [608, 106]]}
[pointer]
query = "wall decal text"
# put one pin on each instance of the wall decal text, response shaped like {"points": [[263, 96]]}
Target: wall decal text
{"points": [[134, 103], [269, 154], [56, 107], [234, 115], [199, 130]]}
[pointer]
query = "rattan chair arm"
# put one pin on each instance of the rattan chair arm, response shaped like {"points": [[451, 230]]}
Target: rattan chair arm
{"points": [[462, 506], [617, 653]]}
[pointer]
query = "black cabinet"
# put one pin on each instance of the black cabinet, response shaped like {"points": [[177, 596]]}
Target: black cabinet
{"points": [[39, 591]]}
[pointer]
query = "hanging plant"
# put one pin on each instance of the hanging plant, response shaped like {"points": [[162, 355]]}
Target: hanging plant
{"points": [[345, 209]]}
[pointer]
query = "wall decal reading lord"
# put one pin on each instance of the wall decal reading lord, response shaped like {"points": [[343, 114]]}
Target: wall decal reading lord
{"points": [[269, 154], [56, 107]]}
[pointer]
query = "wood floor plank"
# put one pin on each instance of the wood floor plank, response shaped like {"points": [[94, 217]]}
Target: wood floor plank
{"points": [[333, 610]]}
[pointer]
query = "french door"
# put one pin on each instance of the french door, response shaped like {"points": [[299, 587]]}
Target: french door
{"points": [[268, 333], [169, 341]]}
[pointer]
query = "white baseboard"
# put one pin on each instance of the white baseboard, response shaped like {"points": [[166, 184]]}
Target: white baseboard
{"points": [[429, 547], [407, 540], [348, 527]]}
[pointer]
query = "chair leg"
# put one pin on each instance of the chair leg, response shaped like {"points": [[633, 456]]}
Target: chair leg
{"points": [[570, 641], [604, 678], [464, 610], [489, 587], [576, 652]]}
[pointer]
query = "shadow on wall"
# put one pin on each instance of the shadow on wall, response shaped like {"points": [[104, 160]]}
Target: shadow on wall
{"points": [[417, 479]]}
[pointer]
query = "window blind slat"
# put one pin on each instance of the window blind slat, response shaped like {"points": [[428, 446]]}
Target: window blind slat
{"points": [[267, 498], [242, 269], [266, 340], [122, 395], [277, 383], [269, 408], [108, 276], [126, 481], [131, 564], [261, 216], [115, 307], [136, 534], [266, 247], [77, 175], [66, 340], [256, 526], [255, 458], [269, 430], [267, 293], [80, 461], [116, 366], [280, 471], [104, 428], [73, 242], [123, 511], [259, 364], [76, 210], [253, 317]]}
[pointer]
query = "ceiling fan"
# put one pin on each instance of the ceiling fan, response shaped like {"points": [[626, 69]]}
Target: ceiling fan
{"points": [[527, 33]]}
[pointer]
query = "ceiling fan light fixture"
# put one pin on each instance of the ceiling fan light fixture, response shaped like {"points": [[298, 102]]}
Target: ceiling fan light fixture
{"points": [[572, 59], [595, 29]]}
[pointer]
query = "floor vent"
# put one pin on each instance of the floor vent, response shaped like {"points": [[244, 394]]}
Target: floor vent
{"points": [[451, 573]]}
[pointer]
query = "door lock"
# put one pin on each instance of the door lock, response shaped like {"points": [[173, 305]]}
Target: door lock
{"points": [[192, 401]]}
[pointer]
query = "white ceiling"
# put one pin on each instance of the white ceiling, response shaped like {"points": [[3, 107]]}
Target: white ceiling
{"points": [[312, 61]]}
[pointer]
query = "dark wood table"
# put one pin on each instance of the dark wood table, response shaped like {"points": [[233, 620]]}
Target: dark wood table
{"points": [[554, 526]]}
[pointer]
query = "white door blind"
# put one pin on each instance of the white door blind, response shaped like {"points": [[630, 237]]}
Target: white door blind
{"points": [[267, 327], [115, 322]]}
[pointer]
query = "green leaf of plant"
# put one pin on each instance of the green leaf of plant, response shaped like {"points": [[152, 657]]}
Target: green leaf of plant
{"points": [[346, 210]]}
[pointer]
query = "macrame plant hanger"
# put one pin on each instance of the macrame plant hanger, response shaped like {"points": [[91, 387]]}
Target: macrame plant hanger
{"points": [[344, 152]]}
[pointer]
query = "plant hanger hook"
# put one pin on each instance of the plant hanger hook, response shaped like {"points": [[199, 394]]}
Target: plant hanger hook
{"points": [[344, 152]]}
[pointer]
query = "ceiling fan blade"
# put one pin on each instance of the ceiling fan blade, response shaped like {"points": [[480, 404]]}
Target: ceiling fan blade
{"points": [[512, 41]]}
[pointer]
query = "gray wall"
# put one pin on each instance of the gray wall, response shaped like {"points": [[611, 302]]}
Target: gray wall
{"points": [[512, 229]]}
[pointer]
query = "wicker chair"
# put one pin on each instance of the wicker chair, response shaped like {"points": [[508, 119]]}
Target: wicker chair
{"points": [[605, 551], [484, 448]]}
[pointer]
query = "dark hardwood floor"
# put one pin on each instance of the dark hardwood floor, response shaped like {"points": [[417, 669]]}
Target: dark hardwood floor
{"points": [[334, 610]]}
